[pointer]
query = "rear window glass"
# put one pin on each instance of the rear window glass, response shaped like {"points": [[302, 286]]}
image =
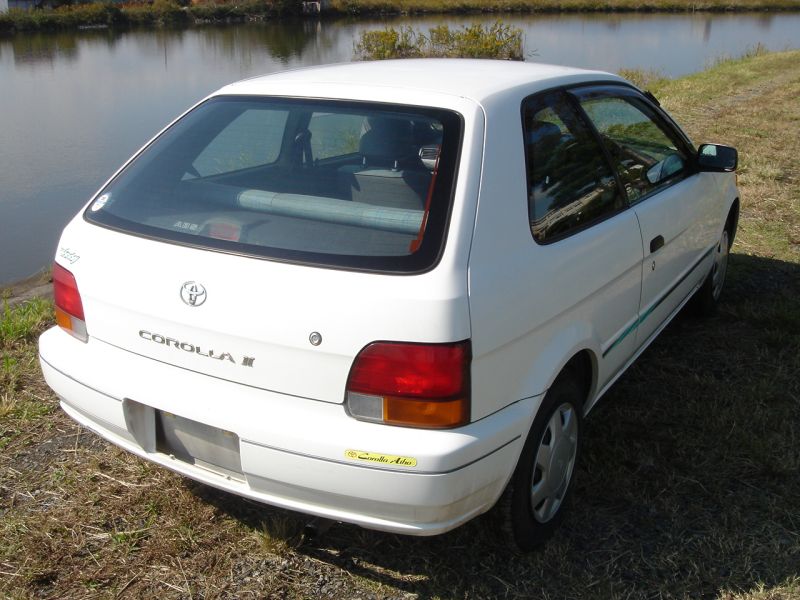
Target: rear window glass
{"points": [[354, 185]]}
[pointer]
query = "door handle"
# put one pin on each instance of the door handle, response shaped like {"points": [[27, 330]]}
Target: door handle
{"points": [[656, 243]]}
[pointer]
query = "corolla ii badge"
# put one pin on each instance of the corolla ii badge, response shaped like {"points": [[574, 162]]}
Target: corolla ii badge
{"points": [[193, 293]]}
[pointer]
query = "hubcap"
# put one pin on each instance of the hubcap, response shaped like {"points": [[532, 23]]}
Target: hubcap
{"points": [[555, 460], [720, 265]]}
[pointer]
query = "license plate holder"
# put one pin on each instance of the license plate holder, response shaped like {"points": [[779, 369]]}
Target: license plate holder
{"points": [[202, 445]]}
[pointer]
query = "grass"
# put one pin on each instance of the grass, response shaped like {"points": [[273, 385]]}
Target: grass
{"points": [[688, 486], [20, 382], [182, 13]]}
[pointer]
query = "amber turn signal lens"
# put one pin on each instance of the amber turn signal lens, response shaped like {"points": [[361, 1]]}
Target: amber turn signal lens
{"points": [[434, 414]]}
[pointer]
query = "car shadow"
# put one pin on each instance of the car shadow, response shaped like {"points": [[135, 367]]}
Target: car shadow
{"points": [[687, 484]]}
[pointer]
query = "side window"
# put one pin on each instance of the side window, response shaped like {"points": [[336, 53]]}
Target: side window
{"points": [[570, 184], [252, 139], [334, 134], [645, 154]]}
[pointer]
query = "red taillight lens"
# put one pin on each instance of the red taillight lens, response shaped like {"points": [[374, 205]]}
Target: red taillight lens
{"points": [[419, 385], [69, 308]]}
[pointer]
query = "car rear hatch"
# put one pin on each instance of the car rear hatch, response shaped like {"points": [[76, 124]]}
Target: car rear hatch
{"points": [[276, 326], [234, 247]]}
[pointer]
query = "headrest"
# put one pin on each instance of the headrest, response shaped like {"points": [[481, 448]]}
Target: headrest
{"points": [[387, 139], [541, 130]]}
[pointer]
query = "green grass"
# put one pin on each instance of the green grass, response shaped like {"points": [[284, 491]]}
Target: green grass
{"points": [[689, 479], [20, 324], [19, 329]]}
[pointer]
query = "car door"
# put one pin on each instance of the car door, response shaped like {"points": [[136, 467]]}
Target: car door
{"points": [[671, 202], [589, 240]]}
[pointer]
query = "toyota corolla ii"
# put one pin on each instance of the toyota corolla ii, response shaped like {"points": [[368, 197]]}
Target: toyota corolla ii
{"points": [[386, 293]]}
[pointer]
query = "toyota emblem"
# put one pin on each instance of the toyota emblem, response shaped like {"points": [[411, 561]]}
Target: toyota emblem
{"points": [[193, 293]]}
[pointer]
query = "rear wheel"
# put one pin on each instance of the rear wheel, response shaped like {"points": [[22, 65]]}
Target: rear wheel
{"points": [[533, 505]]}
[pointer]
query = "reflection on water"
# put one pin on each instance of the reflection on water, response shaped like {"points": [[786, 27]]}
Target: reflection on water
{"points": [[37, 49], [306, 42], [40, 48], [75, 105]]}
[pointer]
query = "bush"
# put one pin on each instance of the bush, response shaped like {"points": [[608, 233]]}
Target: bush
{"points": [[228, 11], [168, 12], [95, 14], [475, 41], [6, 23], [389, 43], [63, 17]]}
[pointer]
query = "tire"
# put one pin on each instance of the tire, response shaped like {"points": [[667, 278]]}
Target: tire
{"points": [[533, 504], [706, 299]]}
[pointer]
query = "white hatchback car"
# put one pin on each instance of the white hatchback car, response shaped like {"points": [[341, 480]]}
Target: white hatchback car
{"points": [[385, 293]]}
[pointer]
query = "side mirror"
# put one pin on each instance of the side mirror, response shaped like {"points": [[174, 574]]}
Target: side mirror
{"points": [[716, 157]]}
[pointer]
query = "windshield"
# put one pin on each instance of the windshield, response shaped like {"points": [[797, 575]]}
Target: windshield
{"points": [[355, 185]]}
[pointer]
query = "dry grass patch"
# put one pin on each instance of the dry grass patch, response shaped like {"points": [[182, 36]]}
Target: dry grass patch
{"points": [[755, 108]]}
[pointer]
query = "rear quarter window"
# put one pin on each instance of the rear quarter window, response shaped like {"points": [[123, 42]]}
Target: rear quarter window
{"points": [[570, 184]]}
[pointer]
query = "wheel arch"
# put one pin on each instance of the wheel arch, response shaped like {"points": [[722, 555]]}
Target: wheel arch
{"points": [[583, 367], [581, 364], [512, 511], [732, 220]]}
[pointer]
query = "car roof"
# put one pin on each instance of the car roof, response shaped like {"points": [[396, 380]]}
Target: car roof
{"points": [[476, 79]]}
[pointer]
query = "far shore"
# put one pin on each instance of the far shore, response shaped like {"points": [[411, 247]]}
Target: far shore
{"points": [[186, 13]]}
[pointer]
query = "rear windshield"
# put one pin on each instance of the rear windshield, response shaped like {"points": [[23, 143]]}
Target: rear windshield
{"points": [[354, 185]]}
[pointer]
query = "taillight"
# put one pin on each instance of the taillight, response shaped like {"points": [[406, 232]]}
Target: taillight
{"points": [[416, 385], [69, 308]]}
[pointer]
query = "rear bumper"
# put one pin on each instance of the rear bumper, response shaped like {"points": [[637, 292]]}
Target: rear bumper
{"points": [[292, 450]]}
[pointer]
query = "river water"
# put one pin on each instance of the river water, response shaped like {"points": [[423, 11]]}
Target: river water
{"points": [[74, 106]]}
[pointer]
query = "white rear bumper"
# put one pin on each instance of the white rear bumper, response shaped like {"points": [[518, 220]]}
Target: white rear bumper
{"points": [[292, 449]]}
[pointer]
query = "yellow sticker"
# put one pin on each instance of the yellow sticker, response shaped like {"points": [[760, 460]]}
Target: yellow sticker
{"points": [[381, 459]]}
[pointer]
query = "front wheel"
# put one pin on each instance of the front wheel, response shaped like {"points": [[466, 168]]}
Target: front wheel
{"points": [[707, 297], [533, 505]]}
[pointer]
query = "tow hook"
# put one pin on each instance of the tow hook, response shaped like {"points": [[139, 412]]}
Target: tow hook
{"points": [[316, 528]]}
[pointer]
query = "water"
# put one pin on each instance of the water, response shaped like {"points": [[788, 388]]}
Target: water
{"points": [[74, 106]]}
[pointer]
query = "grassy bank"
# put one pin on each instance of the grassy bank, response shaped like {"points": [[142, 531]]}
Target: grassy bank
{"points": [[533, 6], [690, 474], [160, 13], [174, 13]]}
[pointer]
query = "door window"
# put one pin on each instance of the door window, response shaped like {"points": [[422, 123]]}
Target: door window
{"points": [[570, 184], [646, 154]]}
